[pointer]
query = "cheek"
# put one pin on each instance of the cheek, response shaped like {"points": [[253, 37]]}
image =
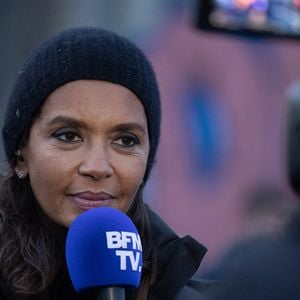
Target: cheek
{"points": [[132, 174], [48, 175]]}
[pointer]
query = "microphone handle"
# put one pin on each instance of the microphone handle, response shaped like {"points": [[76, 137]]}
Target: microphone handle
{"points": [[108, 293]]}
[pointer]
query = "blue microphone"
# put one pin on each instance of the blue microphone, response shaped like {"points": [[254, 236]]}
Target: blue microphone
{"points": [[104, 253]]}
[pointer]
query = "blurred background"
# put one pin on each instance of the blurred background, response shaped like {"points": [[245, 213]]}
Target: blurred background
{"points": [[224, 109]]}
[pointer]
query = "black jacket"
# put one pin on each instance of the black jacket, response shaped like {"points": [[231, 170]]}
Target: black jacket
{"points": [[178, 260]]}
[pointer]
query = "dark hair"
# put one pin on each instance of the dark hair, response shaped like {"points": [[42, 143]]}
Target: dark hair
{"points": [[29, 239]]}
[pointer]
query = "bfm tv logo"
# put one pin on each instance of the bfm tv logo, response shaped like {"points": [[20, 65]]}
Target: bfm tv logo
{"points": [[121, 240]]}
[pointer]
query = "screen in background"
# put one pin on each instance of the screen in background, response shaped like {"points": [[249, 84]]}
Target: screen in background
{"points": [[261, 17]]}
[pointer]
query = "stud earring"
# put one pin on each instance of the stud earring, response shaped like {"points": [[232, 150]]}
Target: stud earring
{"points": [[18, 152], [20, 174], [19, 156]]}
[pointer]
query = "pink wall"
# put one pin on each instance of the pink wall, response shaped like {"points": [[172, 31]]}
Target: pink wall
{"points": [[251, 78]]}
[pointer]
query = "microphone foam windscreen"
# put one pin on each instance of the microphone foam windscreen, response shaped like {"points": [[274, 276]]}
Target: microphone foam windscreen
{"points": [[103, 249]]}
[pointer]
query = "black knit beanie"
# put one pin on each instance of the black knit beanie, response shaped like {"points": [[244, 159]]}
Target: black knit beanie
{"points": [[81, 53]]}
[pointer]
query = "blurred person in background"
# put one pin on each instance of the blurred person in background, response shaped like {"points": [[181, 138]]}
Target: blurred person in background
{"points": [[293, 136], [81, 131], [268, 267], [265, 213], [265, 262], [264, 266]]}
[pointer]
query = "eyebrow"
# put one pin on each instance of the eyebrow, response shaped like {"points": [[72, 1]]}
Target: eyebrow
{"points": [[64, 120], [129, 127]]}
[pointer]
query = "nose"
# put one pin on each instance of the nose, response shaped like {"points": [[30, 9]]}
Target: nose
{"points": [[96, 163]]}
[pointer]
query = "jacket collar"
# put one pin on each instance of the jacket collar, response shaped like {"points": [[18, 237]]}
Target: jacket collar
{"points": [[178, 259]]}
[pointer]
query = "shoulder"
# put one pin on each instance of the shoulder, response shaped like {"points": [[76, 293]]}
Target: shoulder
{"points": [[5, 292], [195, 289], [168, 242], [178, 259]]}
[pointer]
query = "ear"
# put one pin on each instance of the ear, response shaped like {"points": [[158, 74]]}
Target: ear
{"points": [[21, 168]]}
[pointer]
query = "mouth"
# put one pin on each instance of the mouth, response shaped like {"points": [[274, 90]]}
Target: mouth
{"points": [[88, 200]]}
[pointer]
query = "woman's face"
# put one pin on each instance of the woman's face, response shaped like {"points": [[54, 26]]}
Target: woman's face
{"points": [[88, 148]]}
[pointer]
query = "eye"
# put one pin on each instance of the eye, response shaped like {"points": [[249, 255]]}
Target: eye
{"points": [[127, 141], [67, 136]]}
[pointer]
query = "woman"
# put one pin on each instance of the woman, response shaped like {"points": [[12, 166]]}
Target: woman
{"points": [[81, 131]]}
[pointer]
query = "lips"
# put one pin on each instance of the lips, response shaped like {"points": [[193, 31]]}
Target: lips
{"points": [[87, 200]]}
